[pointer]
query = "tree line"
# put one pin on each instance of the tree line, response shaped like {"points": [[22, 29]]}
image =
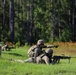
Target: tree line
{"points": [[26, 21]]}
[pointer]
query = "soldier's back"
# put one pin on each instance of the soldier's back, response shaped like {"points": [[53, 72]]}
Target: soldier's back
{"points": [[32, 48]]}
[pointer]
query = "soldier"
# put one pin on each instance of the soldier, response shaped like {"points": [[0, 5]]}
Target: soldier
{"points": [[37, 55], [43, 58], [36, 50], [46, 57], [29, 60], [5, 47]]}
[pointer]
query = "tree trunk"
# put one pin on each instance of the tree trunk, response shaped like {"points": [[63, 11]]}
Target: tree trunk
{"points": [[53, 19], [32, 22], [28, 21], [0, 48], [11, 20], [4, 13], [0, 27], [59, 19], [73, 20]]}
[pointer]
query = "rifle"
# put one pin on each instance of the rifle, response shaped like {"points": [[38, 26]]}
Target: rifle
{"points": [[56, 59]]}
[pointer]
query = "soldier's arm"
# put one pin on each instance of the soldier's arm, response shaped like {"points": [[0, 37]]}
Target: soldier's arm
{"points": [[52, 46]]}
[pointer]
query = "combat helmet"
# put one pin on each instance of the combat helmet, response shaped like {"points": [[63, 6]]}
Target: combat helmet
{"points": [[40, 42], [49, 51]]}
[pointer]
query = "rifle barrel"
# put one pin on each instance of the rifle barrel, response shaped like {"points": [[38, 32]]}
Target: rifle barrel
{"points": [[73, 57]]}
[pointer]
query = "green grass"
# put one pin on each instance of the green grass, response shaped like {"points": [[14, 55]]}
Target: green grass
{"points": [[15, 68]]}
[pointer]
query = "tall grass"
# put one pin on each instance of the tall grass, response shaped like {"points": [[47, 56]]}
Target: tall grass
{"points": [[15, 68]]}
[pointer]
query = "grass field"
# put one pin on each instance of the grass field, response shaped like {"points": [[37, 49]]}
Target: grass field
{"points": [[15, 68]]}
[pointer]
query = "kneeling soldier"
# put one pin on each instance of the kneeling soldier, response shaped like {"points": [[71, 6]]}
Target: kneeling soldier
{"points": [[36, 50], [46, 57]]}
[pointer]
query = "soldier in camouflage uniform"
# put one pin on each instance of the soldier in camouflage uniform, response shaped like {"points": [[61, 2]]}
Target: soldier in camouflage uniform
{"points": [[37, 55], [36, 50], [29, 60], [45, 57], [5, 47]]}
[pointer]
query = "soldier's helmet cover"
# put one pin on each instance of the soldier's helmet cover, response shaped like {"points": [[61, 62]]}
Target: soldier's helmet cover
{"points": [[40, 42], [49, 51]]}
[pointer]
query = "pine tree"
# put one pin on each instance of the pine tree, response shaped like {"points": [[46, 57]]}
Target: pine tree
{"points": [[11, 20]]}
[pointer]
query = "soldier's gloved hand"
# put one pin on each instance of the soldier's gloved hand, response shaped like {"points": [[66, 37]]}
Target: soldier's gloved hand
{"points": [[56, 46]]}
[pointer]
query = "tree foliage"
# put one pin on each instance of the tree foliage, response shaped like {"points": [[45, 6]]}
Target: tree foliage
{"points": [[51, 20]]}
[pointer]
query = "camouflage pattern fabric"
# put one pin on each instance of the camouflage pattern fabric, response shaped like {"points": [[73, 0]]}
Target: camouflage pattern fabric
{"points": [[42, 59], [34, 51], [45, 57]]}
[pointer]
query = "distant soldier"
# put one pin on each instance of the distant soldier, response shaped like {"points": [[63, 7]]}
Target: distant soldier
{"points": [[5, 47], [36, 50]]}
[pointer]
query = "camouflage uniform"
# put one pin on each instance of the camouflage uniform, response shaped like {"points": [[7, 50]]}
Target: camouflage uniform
{"points": [[30, 60], [5, 47], [46, 57], [43, 58], [37, 55], [36, 50]]}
